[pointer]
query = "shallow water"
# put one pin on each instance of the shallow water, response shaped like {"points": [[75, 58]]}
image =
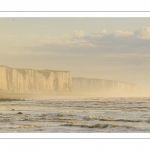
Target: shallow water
{"points": [[90, 115]]}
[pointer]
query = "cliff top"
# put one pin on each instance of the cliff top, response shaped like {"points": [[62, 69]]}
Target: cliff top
{"points": [[44, 71]]}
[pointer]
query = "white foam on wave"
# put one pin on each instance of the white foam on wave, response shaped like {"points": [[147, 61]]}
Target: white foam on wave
{"points": [[110, 119], [97, 125]]}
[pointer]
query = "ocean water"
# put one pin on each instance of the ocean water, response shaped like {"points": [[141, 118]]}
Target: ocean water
{"points": [[76, 115]]}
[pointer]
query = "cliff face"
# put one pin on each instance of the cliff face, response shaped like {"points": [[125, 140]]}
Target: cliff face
{"points": [[104, 87], [34, 81], [49, 81]]}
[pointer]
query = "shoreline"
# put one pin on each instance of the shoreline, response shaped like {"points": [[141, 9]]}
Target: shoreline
{"points": [[10, 100]]}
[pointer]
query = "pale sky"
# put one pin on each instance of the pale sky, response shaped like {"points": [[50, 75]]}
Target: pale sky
{"points": [[105, 48]]}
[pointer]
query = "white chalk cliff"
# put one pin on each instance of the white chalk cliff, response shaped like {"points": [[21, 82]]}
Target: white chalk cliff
{"points": [[104, 87], [34, 81], [49, 81]]}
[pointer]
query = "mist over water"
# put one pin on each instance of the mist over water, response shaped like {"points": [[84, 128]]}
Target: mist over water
{"points": [[87, 75], [76, 114]]}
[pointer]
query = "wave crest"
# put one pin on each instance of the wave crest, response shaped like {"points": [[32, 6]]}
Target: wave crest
{"points": [[98, 125], [110, 119]]}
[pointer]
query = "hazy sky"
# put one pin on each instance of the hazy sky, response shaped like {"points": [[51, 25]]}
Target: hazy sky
{"points": [[106, 48]]}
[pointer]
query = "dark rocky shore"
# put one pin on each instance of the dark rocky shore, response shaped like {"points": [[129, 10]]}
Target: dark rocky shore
{"points": [[8, 100]]}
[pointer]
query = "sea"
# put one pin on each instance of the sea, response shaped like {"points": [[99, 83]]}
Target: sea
{"points": [[76, 115]]}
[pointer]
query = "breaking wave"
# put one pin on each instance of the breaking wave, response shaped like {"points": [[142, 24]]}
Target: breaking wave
{"points": [[87, 125], [109, 119], [29, 126]]}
